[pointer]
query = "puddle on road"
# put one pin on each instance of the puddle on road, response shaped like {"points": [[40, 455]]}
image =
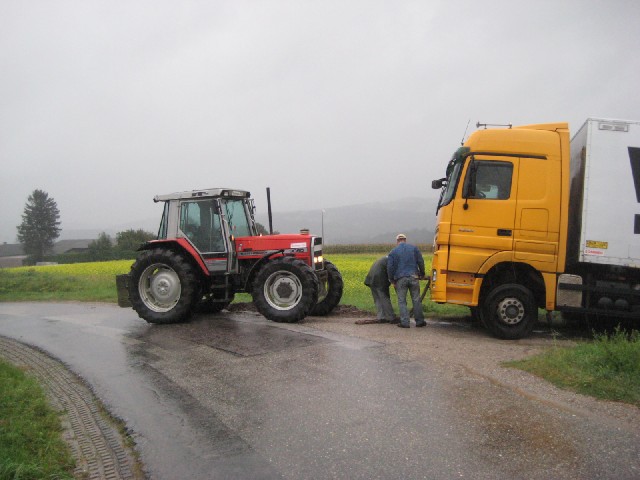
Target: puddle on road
{"points": [[244, 339]]}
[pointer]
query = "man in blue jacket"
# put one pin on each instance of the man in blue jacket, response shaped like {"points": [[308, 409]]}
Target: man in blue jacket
{"points": [[405, 268]]}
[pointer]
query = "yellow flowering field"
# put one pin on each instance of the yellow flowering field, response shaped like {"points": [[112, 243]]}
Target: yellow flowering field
{"points": [[96, 282], [79, 281], [115, 267]]}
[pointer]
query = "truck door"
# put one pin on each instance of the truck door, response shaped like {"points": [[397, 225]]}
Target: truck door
{"points": [[483, 214], [537, 226]]}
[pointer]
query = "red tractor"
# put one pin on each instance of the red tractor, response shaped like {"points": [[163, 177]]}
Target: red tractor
{"points": [[208, 249]]}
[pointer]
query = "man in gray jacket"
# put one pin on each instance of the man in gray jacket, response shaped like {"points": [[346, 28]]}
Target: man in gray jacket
{"points": [[378, 281]]}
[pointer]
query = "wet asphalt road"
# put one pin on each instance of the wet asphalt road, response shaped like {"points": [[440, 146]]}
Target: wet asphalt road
{"points": [[236, 396]]}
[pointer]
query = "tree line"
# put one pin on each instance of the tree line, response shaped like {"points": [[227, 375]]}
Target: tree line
{"points": [[40, 228]]}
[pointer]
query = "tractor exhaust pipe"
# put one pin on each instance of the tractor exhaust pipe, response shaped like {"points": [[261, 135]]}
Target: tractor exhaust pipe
{"points": [[269, 211]]}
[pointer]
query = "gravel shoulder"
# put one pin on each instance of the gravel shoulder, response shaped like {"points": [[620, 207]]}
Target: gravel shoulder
{"points": [[467, 350]]}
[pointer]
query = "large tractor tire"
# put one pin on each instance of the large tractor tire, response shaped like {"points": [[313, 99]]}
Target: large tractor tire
{"points": [[332, 289], [163, 286], [285, 290], [510, 311]]}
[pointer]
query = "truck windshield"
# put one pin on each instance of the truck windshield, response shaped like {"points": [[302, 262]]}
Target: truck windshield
{"points": [[454, 168]]}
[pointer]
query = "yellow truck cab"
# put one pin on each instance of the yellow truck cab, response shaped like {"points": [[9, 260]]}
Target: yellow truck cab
{"points": [[509, 202]]}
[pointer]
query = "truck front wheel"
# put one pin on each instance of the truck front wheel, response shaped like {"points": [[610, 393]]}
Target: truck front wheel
{"points": [[510, 311], [163, 286], [285, 290]]}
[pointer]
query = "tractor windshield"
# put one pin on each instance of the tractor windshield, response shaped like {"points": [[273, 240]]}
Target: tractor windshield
{"points": [[238, 218]]}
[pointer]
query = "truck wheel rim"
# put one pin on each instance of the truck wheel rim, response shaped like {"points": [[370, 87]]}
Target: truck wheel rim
{"points": [[283, 290], [159, 287], [511, 311]]}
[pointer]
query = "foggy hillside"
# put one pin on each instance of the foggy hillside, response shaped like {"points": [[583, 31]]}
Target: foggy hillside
{"points": [[377, 222], [366, 223]]}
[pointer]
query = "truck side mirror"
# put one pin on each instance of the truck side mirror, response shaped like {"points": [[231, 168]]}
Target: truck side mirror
{"points": [[438, 184]]}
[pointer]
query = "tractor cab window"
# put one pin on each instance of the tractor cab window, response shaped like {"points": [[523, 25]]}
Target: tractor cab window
{"points": [[237, 218], [162, 231], [200, 223], [489, 180]]}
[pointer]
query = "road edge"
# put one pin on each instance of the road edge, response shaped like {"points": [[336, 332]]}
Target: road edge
{"points": [[98, 441]]}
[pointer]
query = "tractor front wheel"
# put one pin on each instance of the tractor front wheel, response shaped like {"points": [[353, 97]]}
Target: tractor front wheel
{"points": [[331, 291], [285, 290], [163, 286]]}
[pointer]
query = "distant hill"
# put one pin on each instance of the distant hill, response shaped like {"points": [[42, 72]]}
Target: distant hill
{"points": [[377, 222]]}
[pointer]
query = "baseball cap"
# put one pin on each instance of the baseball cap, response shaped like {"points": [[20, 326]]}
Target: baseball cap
{"points": [[401, 236]]}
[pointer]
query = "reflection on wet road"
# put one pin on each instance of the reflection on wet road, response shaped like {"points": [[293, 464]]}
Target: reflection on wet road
{"points": [[236, 396]]}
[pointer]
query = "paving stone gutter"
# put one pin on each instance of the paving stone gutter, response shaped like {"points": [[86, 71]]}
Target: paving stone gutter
{"points": [[97, 441]]}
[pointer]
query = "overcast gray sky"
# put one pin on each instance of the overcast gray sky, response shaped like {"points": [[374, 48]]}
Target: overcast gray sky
{"points": [[104, 104]]}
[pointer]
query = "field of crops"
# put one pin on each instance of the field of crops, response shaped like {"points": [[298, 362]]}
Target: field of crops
{"points": [[96, 282]]}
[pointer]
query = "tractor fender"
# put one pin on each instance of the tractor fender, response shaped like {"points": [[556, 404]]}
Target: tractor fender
{"points": [[255, 268], [180, 245]]}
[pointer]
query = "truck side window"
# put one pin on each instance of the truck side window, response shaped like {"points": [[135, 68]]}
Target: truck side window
{"points": [[492, 180]]}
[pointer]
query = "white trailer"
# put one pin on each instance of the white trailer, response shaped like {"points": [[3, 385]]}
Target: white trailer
{"points": [[603, 248]]}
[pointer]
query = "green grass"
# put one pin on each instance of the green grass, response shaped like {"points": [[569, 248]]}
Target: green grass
{"points": [[31, 446], [80, 281], [96, 282], [607, 367]]}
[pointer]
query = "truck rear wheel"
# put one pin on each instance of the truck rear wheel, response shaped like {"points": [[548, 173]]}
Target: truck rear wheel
{"points": [[163, 286], [510, 311], [285, 290], [333, 286]]}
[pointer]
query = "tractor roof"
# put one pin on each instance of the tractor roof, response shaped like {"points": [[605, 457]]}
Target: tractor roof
{"points": [[204, 193]]}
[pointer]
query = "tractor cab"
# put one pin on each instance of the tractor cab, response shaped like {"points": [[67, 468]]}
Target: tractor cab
{"points": [[209, 220]]}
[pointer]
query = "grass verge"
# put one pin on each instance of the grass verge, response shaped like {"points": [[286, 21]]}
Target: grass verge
{"points": [[31, 446], [607, 367], [95, 282]]}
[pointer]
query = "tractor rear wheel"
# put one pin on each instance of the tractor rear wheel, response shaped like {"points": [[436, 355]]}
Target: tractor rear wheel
{"points": [[332, 288], [285, 290], [163, 286]]}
